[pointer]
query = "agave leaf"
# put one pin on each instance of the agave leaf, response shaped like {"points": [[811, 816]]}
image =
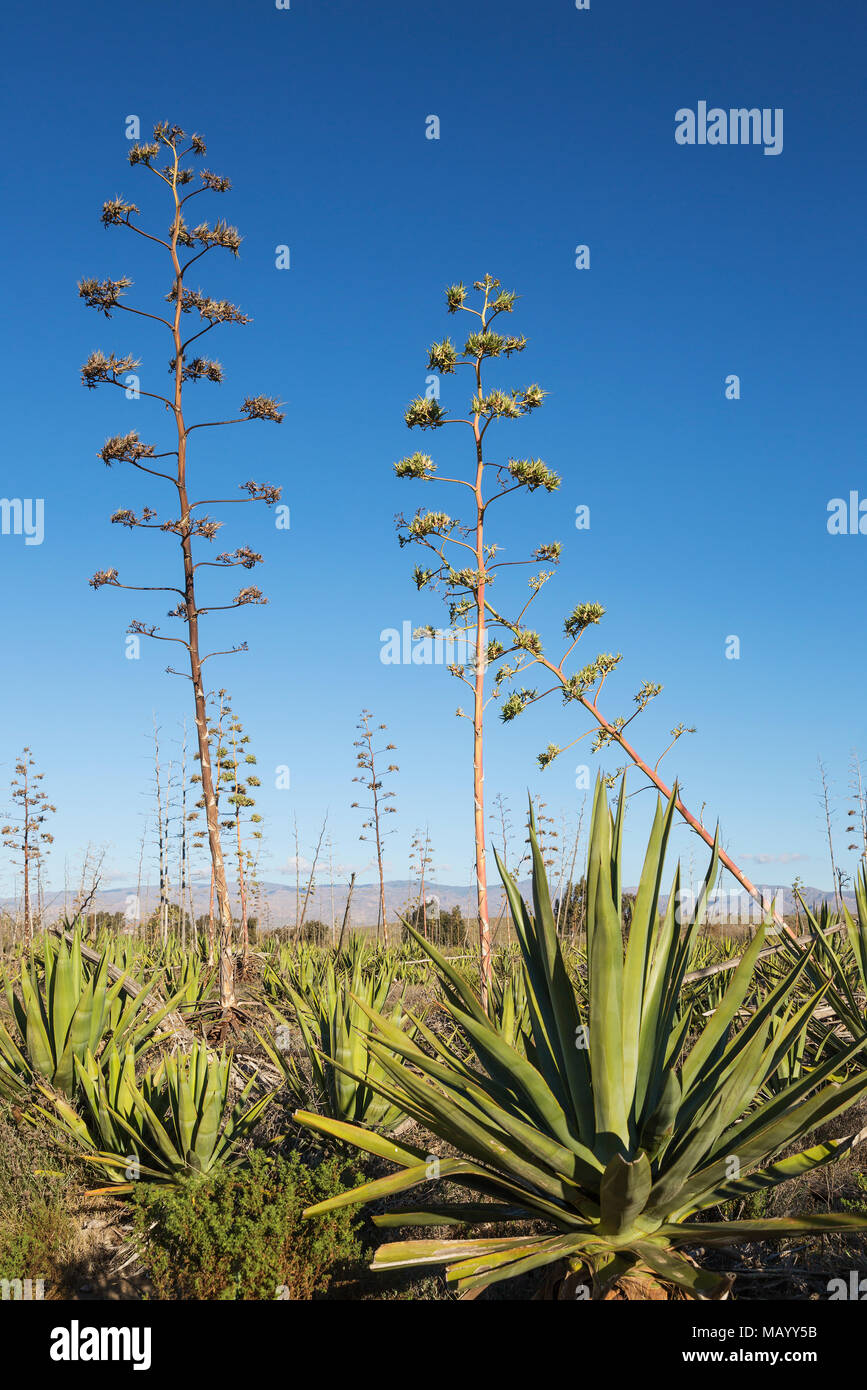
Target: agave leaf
{"points": [[479, 1134], [572, 1160], [732, 1000], [405, 1254], [766, 1228], [460, 986], [605, 967], [638, 948], [792, 1100], [474, 1090], [556, 1020], [36, 1039], [367, 1140], [160, 1142], [675, 1269], [623, 1193], [756, 1147], [481, 1263], [544, 1252], [661, 1006], [15, 1072], [781, 1171], [395, 1182], [506, 1065], [450, 1214], [727, 1054], [659, 1127]]}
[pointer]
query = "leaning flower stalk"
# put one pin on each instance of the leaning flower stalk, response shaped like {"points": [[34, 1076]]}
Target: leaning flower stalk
{"points": [[585, 688]]}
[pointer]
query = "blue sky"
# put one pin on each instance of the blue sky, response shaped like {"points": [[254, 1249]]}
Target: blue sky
{"points": [[708, 516]]}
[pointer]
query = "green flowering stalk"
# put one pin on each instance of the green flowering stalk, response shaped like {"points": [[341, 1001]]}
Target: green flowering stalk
{"points": [[464, 579]]}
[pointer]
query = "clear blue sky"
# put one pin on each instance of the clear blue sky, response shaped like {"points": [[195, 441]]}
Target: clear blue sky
{"points": [[708, 516]]}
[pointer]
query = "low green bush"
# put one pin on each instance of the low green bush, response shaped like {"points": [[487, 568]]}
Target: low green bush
{"points": [[37, 1232], [240, 1235]]}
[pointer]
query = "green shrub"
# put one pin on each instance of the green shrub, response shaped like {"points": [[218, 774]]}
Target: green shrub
{"points": [[315, 933], [239, 1234], [37, 1242], [37, 1232], [448, 927]]}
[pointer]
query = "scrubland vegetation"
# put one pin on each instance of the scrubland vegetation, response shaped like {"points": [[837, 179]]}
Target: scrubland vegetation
{"points": [[595, 1097], [623, 1119]]}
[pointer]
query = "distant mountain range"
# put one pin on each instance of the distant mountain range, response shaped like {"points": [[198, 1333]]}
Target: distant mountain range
{"points": [[279, 901]]}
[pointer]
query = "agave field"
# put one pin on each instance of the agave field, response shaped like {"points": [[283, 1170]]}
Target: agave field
{"points": [[463, 912], [636, 1113]]}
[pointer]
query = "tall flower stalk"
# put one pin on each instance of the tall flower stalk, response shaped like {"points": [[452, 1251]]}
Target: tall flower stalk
{"points": [[190, 525], [465, 564], [238, 784], [378, 808], [26, 833]]}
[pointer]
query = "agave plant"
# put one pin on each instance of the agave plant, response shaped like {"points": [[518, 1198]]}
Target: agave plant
{"points": [[838, 961], [624, 1121], [15, 1073], [509, 1007], [107, 1090], [68, 1009], [176, 1121], [332, 1017], [191, 977], [809, 1047], [822, 1035], [300, 967]]}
